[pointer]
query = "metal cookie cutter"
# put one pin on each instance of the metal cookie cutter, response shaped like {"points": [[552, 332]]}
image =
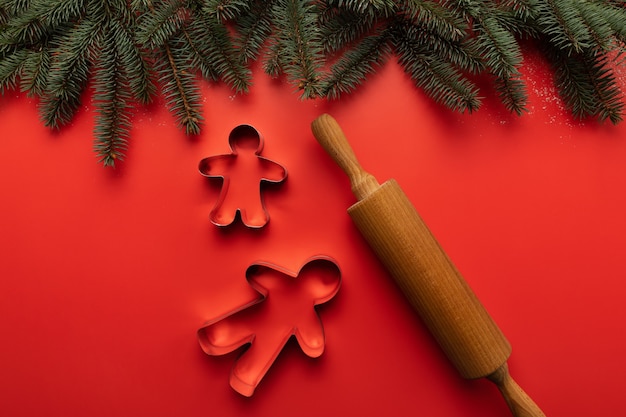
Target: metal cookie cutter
{"points": [[285, 308], [243, 172]]}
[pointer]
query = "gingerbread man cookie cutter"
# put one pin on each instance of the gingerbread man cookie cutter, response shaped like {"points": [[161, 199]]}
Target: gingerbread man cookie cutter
{"points": [[243, 173], [285, 308]]}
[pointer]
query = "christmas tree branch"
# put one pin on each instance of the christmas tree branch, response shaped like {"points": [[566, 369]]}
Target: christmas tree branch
{"points": [[69, 72], [439, 79], [300, 44], [35, 72], [220, 51], [327, 48], [179, 88], [111, 98], [355, 65], [254, 28]]}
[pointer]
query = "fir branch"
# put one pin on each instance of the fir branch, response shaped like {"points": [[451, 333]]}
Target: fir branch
{"points": [[52, 49], [523, 10], [384, 8], [10, 68], [439, 79], [598, 27], [588, 85], [614, 14], [41, 19], [254, 28], [352, 69], [300, 46], [518, 17], [216, 46], [462, 54], [69, 72], [435, 18], [563, 25], [502, 56], [179, 87], [158, 26], [225, 10], [133, 64], [271, 62], [14, 7], [34, 75], [340, 28], [110, 98], [20, 30], [61, 11], [197, 53], [512, 92]]}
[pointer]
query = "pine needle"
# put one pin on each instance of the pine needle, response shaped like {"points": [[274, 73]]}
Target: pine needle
{"points": [[300, 45], [110, 98], [69, 73], [52, 49], [352, 69]]}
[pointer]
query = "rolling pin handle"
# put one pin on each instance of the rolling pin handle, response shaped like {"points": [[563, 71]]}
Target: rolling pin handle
{"points": [[520, 404], [329, 134]]}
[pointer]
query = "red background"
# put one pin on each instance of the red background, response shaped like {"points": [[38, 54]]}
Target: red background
{"points": [[106, 274]]}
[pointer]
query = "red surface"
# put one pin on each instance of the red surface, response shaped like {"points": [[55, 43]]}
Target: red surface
{"points": [[108, 274]]}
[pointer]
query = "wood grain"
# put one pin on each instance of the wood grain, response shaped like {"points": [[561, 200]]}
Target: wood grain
{"points": [[429, 280]]}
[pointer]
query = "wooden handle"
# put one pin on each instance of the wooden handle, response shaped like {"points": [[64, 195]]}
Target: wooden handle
{"points": [[329, 134], [520, 404], [432, 284]]}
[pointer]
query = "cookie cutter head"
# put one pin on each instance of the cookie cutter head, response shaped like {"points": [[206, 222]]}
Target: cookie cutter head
{"points": [[243, 173], [285, 308]]}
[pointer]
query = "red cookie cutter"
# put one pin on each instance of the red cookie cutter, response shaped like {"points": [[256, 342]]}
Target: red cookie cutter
{"points": [[243, 172], [285, 308]]}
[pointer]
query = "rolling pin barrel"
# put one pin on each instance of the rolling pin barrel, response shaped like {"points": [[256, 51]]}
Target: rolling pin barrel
{"points": [[424, 273]]}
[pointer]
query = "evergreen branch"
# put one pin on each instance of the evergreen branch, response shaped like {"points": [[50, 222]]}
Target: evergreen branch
{"points": [[512, 92], [51, 48], [300, 44], [563, 25], [60, 11], [597, 25], [503, 57], [352, 69], [19, 31], [38, 21], [518, 17], [216, 47], [110, 98], [439, 79], [14, 7], [435, 18], [254, 28], [464, 55], [179, 88], [587, 85], [225, 10], [132, 62], [4, 18], [614, 15], [271, 63], [197, 53], [344, 27], [384, 8], [69, 73], [158, 26], [10, 69], [141, 6], [523, 10], [34, 76]]}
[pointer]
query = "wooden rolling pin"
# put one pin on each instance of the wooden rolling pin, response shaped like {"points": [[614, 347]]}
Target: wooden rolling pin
{"points": [[446, 304]]}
